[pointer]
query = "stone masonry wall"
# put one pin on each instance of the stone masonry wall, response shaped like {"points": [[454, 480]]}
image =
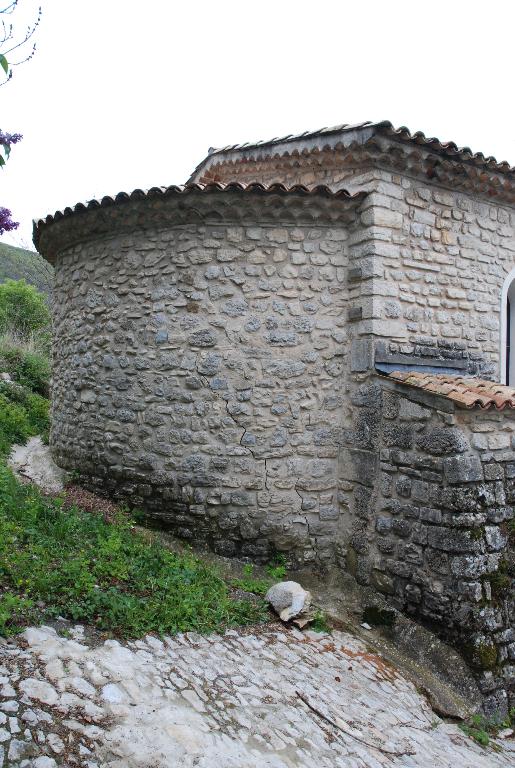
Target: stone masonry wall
{"points": [[438, 264], [431, 530], [197, 370], [429, 262]]}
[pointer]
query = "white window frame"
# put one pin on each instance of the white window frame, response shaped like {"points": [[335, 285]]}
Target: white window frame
{"points": [[510, 278]]}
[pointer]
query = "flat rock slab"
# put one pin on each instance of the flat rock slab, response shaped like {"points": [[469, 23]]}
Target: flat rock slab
{"points": [[266, 698], [34, 462]]}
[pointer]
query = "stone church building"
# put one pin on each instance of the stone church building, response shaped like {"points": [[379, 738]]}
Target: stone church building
{"points": [[300, 351]]}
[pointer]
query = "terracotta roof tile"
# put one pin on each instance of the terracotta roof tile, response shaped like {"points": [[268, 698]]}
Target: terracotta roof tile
{"points": [[465, 392], [384, 127], [255, 187]]}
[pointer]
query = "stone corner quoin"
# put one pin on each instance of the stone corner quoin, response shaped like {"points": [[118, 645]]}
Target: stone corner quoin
{"points": [[216, 363]]}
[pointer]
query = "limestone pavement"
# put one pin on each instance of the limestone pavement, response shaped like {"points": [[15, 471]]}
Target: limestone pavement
{"points": [[268, 697]]}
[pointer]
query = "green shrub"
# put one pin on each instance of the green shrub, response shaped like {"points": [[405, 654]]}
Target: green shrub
{"points": [[15, 426], [23, 310], [26, 363], [36, 407], [320, 623]]}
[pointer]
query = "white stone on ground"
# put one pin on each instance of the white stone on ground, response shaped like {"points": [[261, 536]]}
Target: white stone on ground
{"points": [[33, 461], [288, 599]]}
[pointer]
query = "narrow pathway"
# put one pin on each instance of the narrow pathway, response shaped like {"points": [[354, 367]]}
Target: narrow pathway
{"points": [[266, 698]]}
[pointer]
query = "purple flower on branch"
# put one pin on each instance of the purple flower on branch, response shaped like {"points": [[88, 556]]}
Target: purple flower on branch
{"points": [[6, 223], [7, 139]]}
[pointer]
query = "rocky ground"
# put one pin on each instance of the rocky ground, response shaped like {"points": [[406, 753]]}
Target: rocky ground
{"points": [[268, 698]]}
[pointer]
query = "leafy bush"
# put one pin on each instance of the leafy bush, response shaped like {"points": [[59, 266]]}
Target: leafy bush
{"points": [[78, 565], [26, 362], [36, 407], [23, 310], [15, 426]]}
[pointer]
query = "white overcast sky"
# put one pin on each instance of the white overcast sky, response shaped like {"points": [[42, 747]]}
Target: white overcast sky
{"points": [[124, 94]]}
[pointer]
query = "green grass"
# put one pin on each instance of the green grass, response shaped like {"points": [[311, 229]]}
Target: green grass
{"points": [[55, 561], [276, 571], [22, 264], [481, 728]]}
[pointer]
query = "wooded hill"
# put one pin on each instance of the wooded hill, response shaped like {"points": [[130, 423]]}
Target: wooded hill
{"points": [[18, 263]]}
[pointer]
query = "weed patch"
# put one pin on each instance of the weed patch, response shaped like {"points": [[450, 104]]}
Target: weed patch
{"points": [[481, 728], [276, 571], [71, 563], [320, 623], [250, 583]]}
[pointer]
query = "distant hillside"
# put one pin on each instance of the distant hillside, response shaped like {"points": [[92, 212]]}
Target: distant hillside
{"points": [[17, 264]]}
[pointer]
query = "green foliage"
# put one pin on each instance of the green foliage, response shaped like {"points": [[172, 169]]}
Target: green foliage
{"points": [[277, 569], [249, 583], [36, 407], [80, 566], [478, 734], [320, 623], [15, 426], [26, 363], [22, 415], [23, 310], [13, 610], [481, 728], [20, 264]]}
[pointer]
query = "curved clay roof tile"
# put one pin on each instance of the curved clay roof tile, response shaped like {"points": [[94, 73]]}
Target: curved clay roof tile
{"points": [[467, 392]]}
